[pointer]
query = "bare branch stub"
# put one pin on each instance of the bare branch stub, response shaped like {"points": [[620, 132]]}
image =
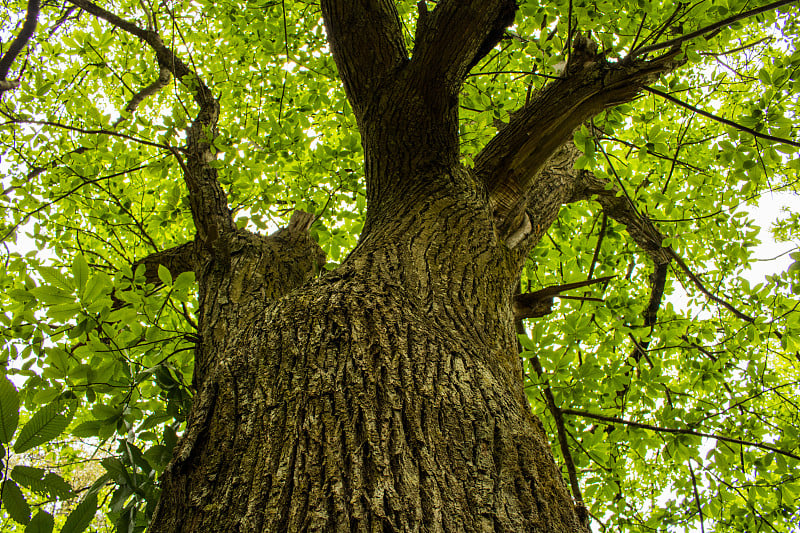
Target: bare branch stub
{"points": [[539, 303]]}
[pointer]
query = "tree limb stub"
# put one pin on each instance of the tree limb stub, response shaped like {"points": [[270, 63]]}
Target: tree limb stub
{"points": [[539, 303], [513, 159], [177, 260]]}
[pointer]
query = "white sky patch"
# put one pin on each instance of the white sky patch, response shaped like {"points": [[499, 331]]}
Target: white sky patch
{"points": [[773, 257]]}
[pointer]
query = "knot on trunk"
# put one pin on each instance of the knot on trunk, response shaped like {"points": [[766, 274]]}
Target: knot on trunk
{"points": [[584, 54]]}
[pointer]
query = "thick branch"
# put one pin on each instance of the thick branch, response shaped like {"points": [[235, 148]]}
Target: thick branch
{"points": [[555, 186], [366, 39], [658, 281], [511, 162], [649, 238], [16, 46], [163, 80], [458, 34], [677, 431], [620, 208]]}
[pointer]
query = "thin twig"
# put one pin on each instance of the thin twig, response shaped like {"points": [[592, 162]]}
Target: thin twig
{"points": [[600, 236], [24, 219], [697, 499], [708, 29], [561, 431], [677, 431], [699, 284], [286, 49], [87, 131], [569, 32], [722, 120]]}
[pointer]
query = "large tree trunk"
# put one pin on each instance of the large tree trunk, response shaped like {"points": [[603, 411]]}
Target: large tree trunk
{"points": [[385, 396]]}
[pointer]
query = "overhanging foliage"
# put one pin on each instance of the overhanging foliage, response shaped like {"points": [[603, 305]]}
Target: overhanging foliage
{"points": [[668, 412]]}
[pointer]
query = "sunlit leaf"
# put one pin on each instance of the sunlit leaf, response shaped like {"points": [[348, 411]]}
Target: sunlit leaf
{"points": [[45, 425], [14, 502], [9, 410]]}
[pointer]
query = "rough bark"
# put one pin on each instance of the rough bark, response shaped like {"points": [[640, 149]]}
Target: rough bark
{"points": [[368, 400]]}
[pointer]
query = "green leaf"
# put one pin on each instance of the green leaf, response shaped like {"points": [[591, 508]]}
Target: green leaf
{"points": [[45, 425], [54, 277], [98, 285], [9, 410], [98, 485], [64, 312], [80, 273], [30, 477], [14, 502], [44, 89], [51, 295], [87, 429], [42, 522], [184, 280], [57, 486], [164, 275], [41, 482], [80, 517], [117, 470]]}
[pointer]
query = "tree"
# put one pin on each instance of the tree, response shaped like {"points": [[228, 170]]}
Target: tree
{"points": [[441, 173]]}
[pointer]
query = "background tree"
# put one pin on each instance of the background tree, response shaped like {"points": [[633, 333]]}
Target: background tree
{"points": [[444, 173]]}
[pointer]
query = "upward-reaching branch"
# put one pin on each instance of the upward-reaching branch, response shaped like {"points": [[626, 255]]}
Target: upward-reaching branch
{"points": [[458, 34], [208, 201], [366, 39], [510, 162]]}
